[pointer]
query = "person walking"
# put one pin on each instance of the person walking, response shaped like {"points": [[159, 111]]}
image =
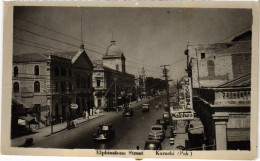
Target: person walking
{"points": [[156, 107]]}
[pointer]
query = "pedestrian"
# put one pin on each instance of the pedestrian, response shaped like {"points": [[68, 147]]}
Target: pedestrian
{"points": [[84, 114], [97, 111], [137, 147], [87, 115], [156, 107]]}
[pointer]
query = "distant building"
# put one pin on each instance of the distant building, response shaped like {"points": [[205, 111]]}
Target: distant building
{"points": [[111, 82], [44, 83], [221, 78]]}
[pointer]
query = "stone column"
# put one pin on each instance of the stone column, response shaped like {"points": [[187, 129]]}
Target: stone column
{"points": [[221, 131]]}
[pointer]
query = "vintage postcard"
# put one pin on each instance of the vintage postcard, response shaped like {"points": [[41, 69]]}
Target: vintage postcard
{"points": [[173, 80]]}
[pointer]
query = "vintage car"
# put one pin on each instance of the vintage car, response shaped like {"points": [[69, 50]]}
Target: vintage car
{"points": [[152, 145], [157, 133], [128, 112], [104, 132], [145, 108], [162, 122], [166, 117]]}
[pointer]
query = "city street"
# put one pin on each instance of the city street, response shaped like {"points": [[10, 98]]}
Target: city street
{"points": [[130, 131]]}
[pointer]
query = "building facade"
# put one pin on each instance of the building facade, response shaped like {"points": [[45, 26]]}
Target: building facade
{"points": [[221, 79], [112, 85], [47, 84]]}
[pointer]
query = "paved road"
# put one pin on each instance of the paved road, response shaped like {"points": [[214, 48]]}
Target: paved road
{"points": [[130, 131]]}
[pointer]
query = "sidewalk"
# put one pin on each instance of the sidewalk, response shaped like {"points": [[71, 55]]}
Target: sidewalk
{"points": [[179, 140], [46, 131]]}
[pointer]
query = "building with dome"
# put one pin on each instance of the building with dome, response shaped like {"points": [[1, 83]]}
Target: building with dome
{"points": [[112, 85]]}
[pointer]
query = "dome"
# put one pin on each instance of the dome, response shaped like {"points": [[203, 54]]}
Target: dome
{"points": [[114, 50]]}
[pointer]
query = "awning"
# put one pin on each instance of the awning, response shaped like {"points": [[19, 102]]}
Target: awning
{"points": [[27, 118], [238, 134]]}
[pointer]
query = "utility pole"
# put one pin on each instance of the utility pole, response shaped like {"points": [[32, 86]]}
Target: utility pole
{"points": [[165, 74], [115, 79]]}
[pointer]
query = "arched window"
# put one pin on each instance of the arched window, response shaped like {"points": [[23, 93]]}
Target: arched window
{"points": [[117, 67], [16, 87], [36, 87], [211, 68], [15, 71], [36, 70]]}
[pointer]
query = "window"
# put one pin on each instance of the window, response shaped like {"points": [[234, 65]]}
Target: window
{"points": [[36, 70], [56, 86], [202, 55], [57, 73], [83, 83], [16, 87], [15, 71], [63, 86], [78, 81], [63, 72], [211, 68], [36, 87], [70, 87], [98, 82], [117, 67], [70, 74]]}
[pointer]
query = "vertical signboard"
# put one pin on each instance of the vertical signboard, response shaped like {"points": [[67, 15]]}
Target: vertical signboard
{"points": [[185, 111], [187, 93]]}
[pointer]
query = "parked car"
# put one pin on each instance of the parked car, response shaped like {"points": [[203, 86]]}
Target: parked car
{"points": [[145, 108], [152, 145], [161, 122], [104, 132], [128, 112], [166, 117], [157, 133]]}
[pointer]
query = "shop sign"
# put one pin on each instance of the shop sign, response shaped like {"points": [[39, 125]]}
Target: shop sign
{"points": [[187, 93], [233, 98], [182, 115], [74, 106]]}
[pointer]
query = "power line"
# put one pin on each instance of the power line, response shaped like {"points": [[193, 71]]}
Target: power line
{"points": [[34, 46], [177, 61], [39, 44], [235, 33], [142, 64], [57, 32], [54, 39]]}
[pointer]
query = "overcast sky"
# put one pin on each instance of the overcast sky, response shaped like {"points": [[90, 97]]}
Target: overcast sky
{"points": [[150, 36]]}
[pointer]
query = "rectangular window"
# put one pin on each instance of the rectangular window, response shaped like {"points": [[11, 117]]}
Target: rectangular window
{"points": [[63, 86], [98, 82], [202, 55]]}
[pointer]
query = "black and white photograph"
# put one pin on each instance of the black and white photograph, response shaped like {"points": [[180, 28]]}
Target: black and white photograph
{"points": [[124, 81]]}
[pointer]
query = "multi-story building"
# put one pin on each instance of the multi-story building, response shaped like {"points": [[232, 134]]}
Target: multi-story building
{"points": [[221, 79], [111, 82], [49, 83]]}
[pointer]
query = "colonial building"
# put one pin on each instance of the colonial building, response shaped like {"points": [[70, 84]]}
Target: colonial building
{"points": [[111, 82], [221, 79], [48, 84]]}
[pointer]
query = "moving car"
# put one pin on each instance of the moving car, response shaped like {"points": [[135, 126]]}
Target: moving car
{"points": [[104, 132], [145, 108], [157, 133], [128, 112], [161, 122], [166, 117], [152, 145]]}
